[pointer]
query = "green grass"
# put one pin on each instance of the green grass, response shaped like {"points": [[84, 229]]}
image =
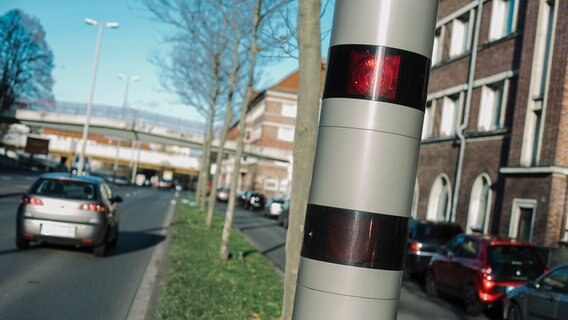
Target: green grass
{"points": [[198, 285]]}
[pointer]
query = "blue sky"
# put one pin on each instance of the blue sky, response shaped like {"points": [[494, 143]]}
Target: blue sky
{"points": [[124, 50]]}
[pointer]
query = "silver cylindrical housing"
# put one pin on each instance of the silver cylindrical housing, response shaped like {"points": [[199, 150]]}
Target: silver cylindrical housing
{"points": [[365, 165]]}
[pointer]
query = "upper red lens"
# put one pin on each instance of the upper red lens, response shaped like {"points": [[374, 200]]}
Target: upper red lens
{"points": [[373, 74]]}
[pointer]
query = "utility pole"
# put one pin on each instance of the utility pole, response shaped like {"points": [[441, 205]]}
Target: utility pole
{"points": [[356, 225]]}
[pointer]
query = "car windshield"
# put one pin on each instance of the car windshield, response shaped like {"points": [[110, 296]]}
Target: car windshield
{"points": [[514, 263], [438, 234], [67, 189]]}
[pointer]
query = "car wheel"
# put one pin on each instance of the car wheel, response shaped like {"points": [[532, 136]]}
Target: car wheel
{"points": [[22, 243], [473, 306], [514, 312], [114, 240], [431, 289], [100, 251]]}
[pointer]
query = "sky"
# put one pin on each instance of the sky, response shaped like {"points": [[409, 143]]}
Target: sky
{"points": [[125, 50]]}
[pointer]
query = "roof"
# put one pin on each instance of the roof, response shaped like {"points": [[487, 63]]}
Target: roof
{"points": [[69, 176], [291, 82]]}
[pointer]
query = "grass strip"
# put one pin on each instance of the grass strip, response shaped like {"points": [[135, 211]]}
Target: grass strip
{"points": [[198, 285]]}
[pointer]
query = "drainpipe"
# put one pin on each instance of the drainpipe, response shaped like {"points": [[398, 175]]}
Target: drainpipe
{"points": [[467, 107]]}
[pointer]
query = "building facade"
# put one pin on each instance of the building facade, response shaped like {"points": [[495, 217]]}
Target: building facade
{"points": [[270, 124], [494, 154]]}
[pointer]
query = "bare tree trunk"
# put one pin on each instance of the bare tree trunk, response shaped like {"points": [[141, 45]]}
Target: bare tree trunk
{"points": [[224, 254], [304, 141], [206, 159], [226, 124]]}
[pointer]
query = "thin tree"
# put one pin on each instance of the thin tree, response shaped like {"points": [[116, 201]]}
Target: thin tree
{"points": [[202, 33], [304, 141], [236, 64], [224, 252], [26, 61]]}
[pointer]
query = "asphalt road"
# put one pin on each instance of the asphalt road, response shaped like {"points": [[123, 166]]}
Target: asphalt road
{"points": [[270, 240], [54, 282]]}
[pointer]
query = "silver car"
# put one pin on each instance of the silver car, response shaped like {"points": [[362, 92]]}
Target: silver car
{"points": [[544, 298], [68, 209]]}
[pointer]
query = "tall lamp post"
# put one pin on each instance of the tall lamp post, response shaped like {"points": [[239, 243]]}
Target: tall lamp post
{"points": [[128, 79], [101, 25]]}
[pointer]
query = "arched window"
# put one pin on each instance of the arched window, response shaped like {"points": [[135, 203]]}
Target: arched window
{"points": [[439, 200], [479, 205], [414, 211]]}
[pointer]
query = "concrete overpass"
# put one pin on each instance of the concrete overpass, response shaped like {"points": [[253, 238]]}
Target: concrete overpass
{"points": [[119, 129]]}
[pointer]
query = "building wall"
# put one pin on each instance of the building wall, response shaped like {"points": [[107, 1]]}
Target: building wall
{"points": [[486, 152]]}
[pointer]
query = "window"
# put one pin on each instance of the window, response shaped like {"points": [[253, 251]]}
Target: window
{"points": [[502, 18], [479, 205], [256, 113], [468, 249], [449, 115], [270, 184], [428, 120], [439, 201], [460, 35], [492, 107], [289, 110], [556, 281], [286, 134], [539, 82], [437, 47], [414, 211], [522, 219]]}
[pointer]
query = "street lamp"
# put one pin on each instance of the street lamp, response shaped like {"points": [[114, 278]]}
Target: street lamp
{"points": [[101, 25], [122, 76]]}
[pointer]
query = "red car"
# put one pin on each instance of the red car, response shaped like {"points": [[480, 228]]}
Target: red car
{"points": [[482, 269]]}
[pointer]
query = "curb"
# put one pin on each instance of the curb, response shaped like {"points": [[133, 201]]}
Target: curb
{"points": [[144, 302]]}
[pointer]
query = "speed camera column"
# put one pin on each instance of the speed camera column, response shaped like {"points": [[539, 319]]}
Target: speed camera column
{"points": [[357, 217]]}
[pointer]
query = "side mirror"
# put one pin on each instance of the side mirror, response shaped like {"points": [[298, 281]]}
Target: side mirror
{"points": [[116, 199]]}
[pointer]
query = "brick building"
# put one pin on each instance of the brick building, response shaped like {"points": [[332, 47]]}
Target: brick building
{"points": [[270, 124], [494, 155]]}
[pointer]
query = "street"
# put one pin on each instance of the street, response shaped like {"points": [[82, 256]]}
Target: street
{"points": [[269, 239], [55, 282]]}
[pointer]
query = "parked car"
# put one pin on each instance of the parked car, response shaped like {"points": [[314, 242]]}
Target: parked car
{"points": [[424, 240], [544, 298], [284, 216], [251, 200], [481, 269], [242, 198], [223, 194], [274, 207], [68, 209]]}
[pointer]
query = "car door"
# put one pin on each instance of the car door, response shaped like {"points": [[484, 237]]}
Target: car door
{"points": [[543, 300], [446, 269], [465, 264]]}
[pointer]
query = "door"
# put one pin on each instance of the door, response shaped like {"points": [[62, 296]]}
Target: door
{"points": [[544, 299]]}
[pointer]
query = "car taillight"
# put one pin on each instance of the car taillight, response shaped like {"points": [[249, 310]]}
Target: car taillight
{"points": [[487, 282], [31, 201], [95, 207], [414, 247]]}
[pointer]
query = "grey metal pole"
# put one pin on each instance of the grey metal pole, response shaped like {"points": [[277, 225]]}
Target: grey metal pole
{"points": [[356, 225], [81, 163], [101, 25]]}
